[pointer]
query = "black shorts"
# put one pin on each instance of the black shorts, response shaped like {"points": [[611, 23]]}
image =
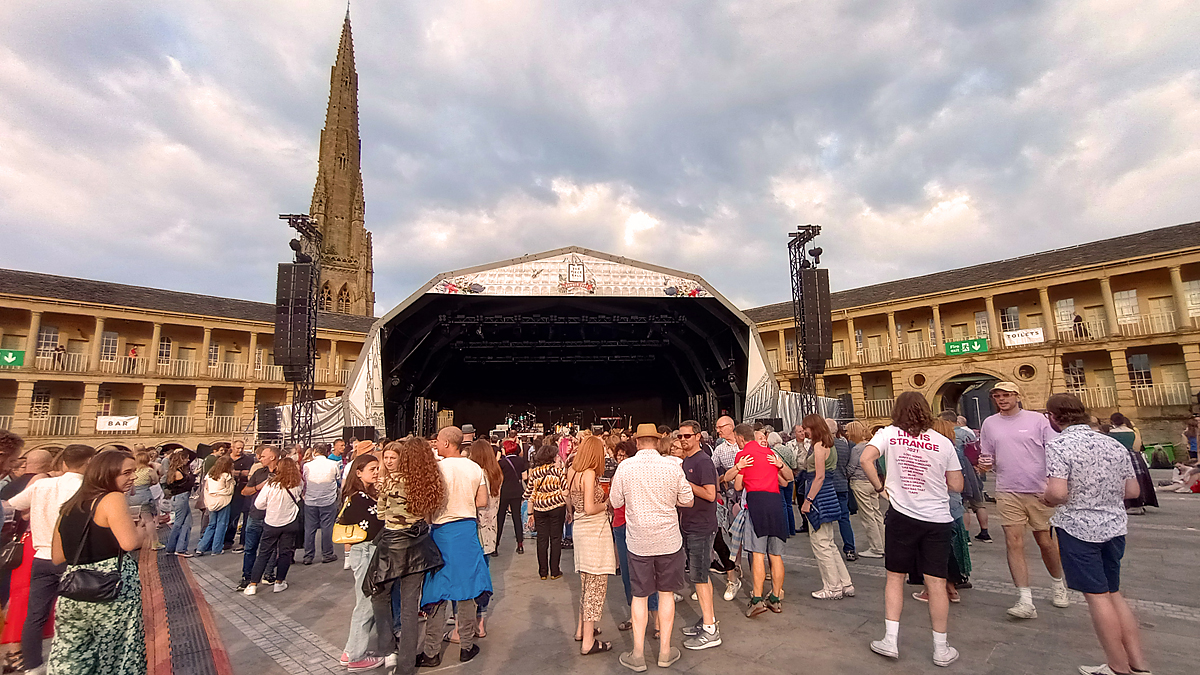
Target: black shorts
{"points": [[911, 545], [1091, 567], [657, 573]]}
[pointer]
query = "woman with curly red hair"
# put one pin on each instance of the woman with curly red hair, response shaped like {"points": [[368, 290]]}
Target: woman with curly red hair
{"points": [[404, 550]]}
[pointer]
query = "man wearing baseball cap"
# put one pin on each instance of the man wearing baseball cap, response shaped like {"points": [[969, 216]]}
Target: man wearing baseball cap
{"points": [[1013, 443], [651, 487]]}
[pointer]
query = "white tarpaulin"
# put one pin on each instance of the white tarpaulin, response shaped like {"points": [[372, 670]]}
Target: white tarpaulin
{"points": [[117, 423], [792, 407], [327, 420]]}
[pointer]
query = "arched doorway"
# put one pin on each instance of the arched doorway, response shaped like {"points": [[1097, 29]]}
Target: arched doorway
{"points": [[969, 394]]}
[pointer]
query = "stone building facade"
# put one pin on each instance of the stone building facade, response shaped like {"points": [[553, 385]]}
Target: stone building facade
{"points": [[1115, 321]]}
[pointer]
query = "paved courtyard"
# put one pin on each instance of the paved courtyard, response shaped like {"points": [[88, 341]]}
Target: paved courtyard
{"points": [[304, 629]]}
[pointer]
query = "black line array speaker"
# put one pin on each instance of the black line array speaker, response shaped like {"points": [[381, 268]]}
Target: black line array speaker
{"points": [[361, 433], [268, 419], [847, 406], [818, 322], [292, 319]]}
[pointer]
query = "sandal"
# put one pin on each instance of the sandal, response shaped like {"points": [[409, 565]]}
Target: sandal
{"points": [[596, 632], [449, 637], [625, 625], [599, 646]]}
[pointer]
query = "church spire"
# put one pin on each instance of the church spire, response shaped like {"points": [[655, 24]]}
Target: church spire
{"points": [[337, 204]]}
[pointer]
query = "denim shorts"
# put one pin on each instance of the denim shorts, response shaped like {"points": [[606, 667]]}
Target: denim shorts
{"points": [[699, 549], [1091, 567]]}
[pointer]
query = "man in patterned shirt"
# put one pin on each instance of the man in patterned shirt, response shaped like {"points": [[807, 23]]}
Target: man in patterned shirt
{"points": [[723, 457], [1090, 477], [651, 487]]}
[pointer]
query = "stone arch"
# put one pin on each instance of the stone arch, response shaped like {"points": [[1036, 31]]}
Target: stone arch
{"points": [[966, 393], [326, 298], [343, 300]]}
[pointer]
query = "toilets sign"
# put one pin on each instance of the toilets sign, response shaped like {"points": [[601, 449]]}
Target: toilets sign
{"points": [[976, 346]]}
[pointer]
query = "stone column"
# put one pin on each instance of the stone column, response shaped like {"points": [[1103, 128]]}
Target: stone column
{"points": [[819, 381], [204, 362], [251, 373], [95, 346], [858, 394], [152, 349], [993, 335], [1110, 307], [1121, 378], [897, 383], [35, 324], [335, 361], [89, 408], [1049, 320], [851, 344], [1181, 303], [893, 338], [245, 409], [23, 408], [146, 409], [939, 343], [1191, 357], [200, 411]]}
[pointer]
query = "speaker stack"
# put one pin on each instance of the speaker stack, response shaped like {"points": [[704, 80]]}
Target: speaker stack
{"points": [[816, 328], [293, 320]]}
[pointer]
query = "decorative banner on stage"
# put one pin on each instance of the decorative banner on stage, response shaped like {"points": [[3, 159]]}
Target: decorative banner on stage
{"points": [[571, 274], [117, 423], [1028, 336]]}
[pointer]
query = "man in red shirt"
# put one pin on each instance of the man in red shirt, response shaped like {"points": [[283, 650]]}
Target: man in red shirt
{"points": [[760, 472]]}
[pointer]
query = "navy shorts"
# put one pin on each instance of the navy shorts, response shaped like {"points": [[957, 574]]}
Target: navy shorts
{"points": [[1091, 567]]}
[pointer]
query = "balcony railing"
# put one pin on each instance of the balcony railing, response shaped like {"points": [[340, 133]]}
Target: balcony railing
{"points": [[1167, 393], [874, 355], [173, 424], [271, 373], [917, 350], [839, 360], [343, 376], [116, 432], [879, 407], [1196, 321], [54, 425], [124, 365], [222, 424], [64, 362], [178, 367], [321, 375], [1095, 397], [1083, 331], [6, 422], [1147, 324], [228, 370]]}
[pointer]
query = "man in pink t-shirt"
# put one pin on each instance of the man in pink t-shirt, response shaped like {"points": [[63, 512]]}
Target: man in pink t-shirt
{"points": [[1013, 442]]}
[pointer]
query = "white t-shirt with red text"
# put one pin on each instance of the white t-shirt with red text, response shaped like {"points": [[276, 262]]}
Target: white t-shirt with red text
{"points": [[916, 472]]}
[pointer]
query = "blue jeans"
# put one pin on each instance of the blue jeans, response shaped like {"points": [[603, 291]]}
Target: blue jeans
{"points": [[319, 517], [844, 522], [786, 493], [251, 536], [623, 561], [213, 538], [177, 542], [362, 619]]}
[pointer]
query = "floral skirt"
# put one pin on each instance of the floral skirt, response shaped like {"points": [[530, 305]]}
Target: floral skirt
{"points": [[101, 638]]}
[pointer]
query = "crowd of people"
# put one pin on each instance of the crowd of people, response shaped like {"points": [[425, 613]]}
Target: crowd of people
{"points": [[666, 509]]}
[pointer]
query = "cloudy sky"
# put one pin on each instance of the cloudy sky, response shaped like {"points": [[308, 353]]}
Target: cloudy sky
{"points": [[155, 143]]}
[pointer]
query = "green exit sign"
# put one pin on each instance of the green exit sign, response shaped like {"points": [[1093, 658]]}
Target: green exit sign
{"points": [[976, 346], [11, 357]]}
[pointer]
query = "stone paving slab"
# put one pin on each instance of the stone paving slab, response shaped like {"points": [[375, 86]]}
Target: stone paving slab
{"points": [[302, 629]]}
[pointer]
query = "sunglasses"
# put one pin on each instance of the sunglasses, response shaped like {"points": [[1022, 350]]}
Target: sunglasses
{"points": [[685, 436]]}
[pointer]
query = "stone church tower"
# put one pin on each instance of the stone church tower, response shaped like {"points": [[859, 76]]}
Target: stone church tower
{"points": [[347, 275]]}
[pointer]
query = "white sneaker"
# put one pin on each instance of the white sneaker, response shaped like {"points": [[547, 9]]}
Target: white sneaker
{"points": [[389, 661], [250, 590], [886, 648], [1023, 610], [678, 597], [346, 563], [280, 586], [1061, 599], [694, 596], [732, 588], [945, 657], [1103, 669], [870, 553]]}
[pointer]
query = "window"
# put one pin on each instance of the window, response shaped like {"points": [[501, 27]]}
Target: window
{"points": [[40, 405], [1034, 320], [858, 338], [47, 340], [1074, 374], [258, 358], [1162, 306], [164, 351], [1174, 373], [1064, 313], [326, 304], [1139, 370], [915, 336], [1127, 306], [981, 324], [1010, 319], [214, 354], [108, 346], [160, 406], [1191, 290], [343, 301], [210, 409], [104, 403], [958, 332]]}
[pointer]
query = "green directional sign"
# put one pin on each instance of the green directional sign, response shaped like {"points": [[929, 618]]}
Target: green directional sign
{"points": [[11, 357], [976, 346]]}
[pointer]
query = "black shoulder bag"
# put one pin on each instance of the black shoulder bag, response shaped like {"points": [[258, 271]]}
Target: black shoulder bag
{"points": [[87, 585]]}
